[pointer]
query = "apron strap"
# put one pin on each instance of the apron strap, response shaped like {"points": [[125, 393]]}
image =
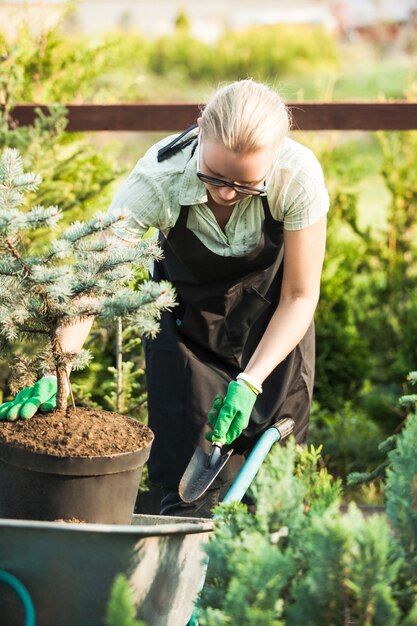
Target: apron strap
{"points": [[271, 223], [176, 145]]}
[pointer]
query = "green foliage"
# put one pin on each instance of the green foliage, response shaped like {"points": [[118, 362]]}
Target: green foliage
{"points": [[344, 358], [48, 67], [369, 279], [126, 389], [366, 319], [275, 51], [262, 52], [131, 394], [81, 274], [401, 494], [397, 299], [349, 437], [181, 55], [182, 23], [410, 401], [250, 545], [278, 475], [121, 610], [345, 355], [299, 559], [321, 489], [347, 574], [75, 174], [251, 596]]}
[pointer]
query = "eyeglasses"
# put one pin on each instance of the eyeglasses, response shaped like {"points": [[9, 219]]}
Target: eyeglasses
{"points": [[219, 182]]}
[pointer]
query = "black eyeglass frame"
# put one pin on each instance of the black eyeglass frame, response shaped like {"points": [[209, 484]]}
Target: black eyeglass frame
{"points": [[245, 189]]}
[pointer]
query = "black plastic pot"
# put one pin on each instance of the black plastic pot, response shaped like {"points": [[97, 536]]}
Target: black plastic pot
{"points": [[89, 489]]}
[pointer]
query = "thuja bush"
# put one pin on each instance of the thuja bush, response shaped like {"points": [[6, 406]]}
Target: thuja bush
{"points": [[299, 559], [121, 610]]}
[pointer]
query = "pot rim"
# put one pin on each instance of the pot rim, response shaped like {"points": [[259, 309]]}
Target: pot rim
{"points": [[163, 525], [74, 465]]}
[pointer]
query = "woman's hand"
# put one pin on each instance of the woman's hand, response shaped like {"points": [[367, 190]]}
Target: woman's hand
{"points": [[42, 395], [229, 416]]}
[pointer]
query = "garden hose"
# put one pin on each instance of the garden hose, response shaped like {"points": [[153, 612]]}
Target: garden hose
{"points": [[241, 483], [22, 594]]}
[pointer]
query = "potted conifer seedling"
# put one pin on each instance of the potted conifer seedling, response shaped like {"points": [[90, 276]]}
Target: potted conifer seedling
{"points": [[68, 462]]}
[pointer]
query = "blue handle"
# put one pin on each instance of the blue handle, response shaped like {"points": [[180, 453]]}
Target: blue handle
{"points": [[23, 594], [252, 465]]}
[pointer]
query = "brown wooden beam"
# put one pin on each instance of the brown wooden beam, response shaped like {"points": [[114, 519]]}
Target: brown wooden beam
{"points": [[354, 115], [177, 116]]}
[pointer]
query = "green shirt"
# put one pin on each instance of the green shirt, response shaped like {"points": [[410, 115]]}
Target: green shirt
{"points": [[154, 192]]}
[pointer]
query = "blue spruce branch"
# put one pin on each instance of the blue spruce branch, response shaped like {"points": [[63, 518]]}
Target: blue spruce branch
{"points": [[85, 272]]}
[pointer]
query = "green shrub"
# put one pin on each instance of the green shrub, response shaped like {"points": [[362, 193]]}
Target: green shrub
{"points": [[273, 52], [401, 494], [181, 56], [299, 559], [121, 610], [266, 53], [349, 439]]}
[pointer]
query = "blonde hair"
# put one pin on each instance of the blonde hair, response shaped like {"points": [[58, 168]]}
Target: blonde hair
{"points": [[246, 116]]}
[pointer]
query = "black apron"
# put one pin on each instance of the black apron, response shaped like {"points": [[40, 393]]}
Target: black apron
{"points": [[224, 306]]}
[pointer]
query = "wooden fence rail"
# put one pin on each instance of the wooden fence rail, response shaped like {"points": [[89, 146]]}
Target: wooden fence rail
{"points": [[177, 116]]}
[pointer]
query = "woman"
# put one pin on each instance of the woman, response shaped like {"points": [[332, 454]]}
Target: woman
{"points": [[241, 211], [241, 214]]}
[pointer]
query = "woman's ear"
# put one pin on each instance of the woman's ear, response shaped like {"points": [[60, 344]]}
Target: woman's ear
{"points": [[199, 121]]}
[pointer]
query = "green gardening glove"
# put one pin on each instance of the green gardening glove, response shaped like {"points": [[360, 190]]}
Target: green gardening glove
{"points": [[42, 395], [229, 416]]}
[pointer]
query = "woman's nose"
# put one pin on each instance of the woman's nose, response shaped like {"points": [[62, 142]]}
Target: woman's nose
{"points": [[227, 193]]}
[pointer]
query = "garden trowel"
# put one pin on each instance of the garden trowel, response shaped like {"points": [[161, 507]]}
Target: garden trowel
{"points": [[202, 470]]}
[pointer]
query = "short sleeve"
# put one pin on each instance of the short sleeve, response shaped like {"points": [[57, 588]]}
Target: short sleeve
{"points": [[139, 199], [146, 197], [305, 200], [297, 192]]}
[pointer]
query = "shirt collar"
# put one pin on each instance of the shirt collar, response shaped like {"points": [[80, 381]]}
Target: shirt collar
{"points": [[192, 190]]}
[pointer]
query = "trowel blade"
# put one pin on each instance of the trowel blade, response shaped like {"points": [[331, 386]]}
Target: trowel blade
{"points": [[198, 476]]}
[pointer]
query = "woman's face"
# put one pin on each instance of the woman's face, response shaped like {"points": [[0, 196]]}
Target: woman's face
{"points": [[250, 170]]}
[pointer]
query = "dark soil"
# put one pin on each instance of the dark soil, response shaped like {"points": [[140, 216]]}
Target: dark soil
{"points": [[80, 432]]}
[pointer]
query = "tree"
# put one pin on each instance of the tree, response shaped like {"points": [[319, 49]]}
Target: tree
{"points": [[81, 274]]}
